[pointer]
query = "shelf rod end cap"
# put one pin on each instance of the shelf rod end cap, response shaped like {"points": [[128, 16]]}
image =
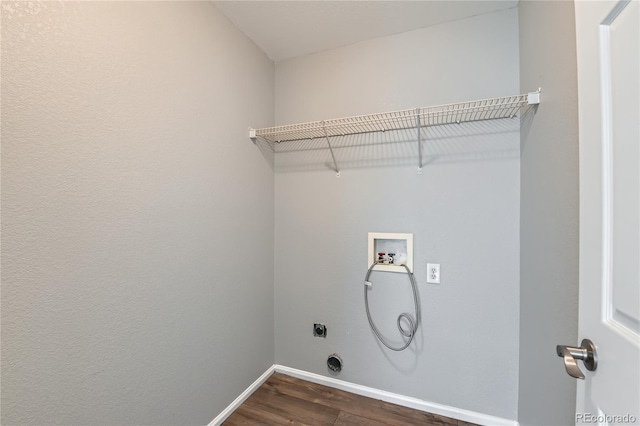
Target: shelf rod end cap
{"points": [[533, 98]]}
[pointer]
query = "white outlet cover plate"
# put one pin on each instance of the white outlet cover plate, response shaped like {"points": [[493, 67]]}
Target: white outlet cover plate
{"points": [[433, 278]]}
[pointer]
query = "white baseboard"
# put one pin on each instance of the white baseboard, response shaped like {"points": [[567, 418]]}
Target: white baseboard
{"points": [[243, 396], [394, 398]]}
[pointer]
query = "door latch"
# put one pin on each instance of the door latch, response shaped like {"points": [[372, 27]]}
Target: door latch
{"points": [[586, 353]]}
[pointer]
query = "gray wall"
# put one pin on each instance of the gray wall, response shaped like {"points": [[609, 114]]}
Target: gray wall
{"points": [[137, 221], [463, 212], [549, 213]]}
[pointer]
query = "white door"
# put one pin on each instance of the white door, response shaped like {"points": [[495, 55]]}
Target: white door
{"points": [[608, 42]]}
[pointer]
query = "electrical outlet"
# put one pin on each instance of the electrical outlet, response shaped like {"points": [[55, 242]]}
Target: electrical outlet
{"points": [[433, 273]]}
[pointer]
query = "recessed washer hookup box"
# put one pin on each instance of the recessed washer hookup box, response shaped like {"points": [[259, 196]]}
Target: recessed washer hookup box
{"points": [[390, 251]]}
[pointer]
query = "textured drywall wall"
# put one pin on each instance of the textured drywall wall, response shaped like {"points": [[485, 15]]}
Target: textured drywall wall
{"points": [[137, 218], [549, 213], [463, 211]]}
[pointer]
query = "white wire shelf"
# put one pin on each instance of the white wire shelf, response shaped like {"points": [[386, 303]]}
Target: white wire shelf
{"points": [[484, 109]]}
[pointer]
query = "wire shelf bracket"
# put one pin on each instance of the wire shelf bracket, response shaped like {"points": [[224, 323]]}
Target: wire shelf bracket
{"points": [[333, 157], [418, 118]]}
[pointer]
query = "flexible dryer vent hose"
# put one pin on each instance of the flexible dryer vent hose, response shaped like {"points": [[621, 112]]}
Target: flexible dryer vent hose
{"points": [[413, 324]]}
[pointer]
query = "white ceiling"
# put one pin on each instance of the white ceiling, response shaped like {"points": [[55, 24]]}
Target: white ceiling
{"points": [[286, 29]]}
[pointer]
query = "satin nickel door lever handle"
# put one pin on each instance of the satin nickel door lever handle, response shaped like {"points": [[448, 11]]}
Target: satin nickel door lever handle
{"points": [[586, 353]]}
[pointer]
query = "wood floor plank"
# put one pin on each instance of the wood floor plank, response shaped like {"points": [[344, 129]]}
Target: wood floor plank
{"points": [[284, 409], [463, 423], [247, 416], [348, 419], [285, 400], [393, 415]]}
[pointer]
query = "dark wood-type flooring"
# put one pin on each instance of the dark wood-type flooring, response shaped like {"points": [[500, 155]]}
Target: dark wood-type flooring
{"points": [[284, 400]]}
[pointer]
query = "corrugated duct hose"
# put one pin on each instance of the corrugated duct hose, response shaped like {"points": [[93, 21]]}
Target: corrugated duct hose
{"points": [[413, 324]]}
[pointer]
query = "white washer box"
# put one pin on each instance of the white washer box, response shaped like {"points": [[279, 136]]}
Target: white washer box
{"points": [[384, 242]]}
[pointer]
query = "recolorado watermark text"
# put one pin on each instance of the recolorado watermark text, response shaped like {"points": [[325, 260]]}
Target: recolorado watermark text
{"points": [[604, 419]]}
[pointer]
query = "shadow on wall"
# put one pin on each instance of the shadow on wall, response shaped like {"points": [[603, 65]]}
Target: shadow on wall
{"points": [[452, 143], [267, 149], [526, 120]]}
